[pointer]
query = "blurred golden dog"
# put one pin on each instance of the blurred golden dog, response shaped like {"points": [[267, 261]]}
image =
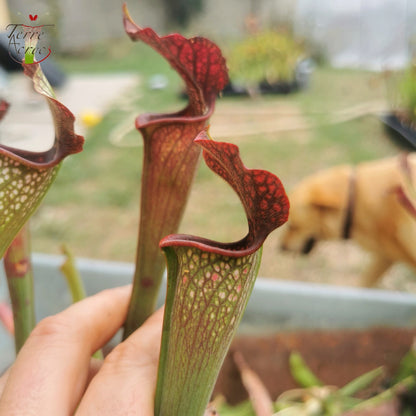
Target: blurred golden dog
{"points": [[363, 203]]}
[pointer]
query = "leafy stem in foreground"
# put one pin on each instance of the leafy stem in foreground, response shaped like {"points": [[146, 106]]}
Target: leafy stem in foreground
{"points": [[75, 283], [170, 156], [19, 273], [209, 284], [72, 276]]}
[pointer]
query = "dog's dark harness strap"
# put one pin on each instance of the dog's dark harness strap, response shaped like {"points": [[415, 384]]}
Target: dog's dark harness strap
{"points": [[349, 216], [404, 198]]}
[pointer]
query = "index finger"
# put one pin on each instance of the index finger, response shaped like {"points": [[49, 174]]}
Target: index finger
{"points": [[51, 370]]}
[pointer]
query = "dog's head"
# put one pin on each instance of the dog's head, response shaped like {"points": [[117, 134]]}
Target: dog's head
{"points": [[317, 210]]}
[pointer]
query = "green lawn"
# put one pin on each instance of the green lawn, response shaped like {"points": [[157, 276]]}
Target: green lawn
{"points": [[94, 204]]}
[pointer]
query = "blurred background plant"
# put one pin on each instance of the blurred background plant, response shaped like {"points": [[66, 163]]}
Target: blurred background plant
{"points": [[407, 95], [400, 115], [269, 55]]}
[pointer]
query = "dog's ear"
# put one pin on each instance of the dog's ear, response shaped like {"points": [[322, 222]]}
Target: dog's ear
{"points": [[327, 199]]}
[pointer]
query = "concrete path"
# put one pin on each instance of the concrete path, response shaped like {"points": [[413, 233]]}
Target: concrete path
{"points": [[28, 123], [249, 118]]}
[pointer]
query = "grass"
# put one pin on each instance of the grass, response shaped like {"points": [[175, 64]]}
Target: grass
{"points": [[94, 204]]}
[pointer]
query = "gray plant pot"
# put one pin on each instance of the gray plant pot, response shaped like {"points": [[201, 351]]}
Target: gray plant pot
{"points": [[275, 305]]}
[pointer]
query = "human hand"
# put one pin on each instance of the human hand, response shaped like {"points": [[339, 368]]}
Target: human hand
{"points": [[54, 374]]}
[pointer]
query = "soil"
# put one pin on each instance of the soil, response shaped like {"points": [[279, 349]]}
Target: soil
{"points": [[336, 357]]}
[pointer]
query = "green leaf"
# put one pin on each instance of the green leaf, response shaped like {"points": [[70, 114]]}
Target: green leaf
{"points": [[242, 409], [300, 371], [361, 382], [407, 366], [72, 276]]}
